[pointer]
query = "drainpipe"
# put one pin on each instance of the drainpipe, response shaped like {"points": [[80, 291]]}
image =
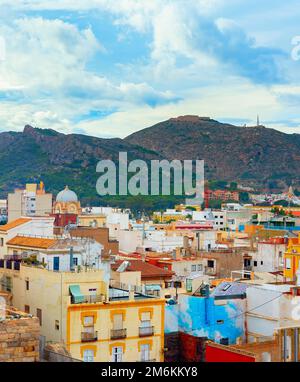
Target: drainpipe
{"points": [[284, 345], [296, 345]]}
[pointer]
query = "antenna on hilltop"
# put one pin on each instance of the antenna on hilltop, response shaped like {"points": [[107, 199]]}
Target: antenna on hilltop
{"points": [[257, 121]]}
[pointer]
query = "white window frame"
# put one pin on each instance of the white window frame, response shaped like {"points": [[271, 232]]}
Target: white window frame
{"points": [[88, 355], [145, 352], [117, 354]]}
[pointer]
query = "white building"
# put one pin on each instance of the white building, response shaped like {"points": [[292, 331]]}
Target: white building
{"points": [[269, 307], [269, 255], [72, 254], [38, 226], [218, 218]]}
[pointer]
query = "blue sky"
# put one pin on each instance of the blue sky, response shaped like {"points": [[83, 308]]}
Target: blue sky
{"points": [[111, 67]]}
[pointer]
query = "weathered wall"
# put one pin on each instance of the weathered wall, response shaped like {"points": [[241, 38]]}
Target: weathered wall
{"points": [[19, 340]]}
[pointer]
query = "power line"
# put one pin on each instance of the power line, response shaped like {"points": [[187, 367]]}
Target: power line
{"points": [[245, 312]]}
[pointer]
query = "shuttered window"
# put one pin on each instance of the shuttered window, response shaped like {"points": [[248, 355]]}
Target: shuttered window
{"points": [[118, 321]]}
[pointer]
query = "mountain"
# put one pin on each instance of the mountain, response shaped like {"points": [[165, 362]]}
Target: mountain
{"points": [[58, 159], [256, 156]]}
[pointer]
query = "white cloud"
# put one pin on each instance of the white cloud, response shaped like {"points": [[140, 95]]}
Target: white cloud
{"points": [[48, 80]]}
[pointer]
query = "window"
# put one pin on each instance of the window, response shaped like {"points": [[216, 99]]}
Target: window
{"points": [[88, 321], [255, 263], [39, 315], [1, 241], [93, 291], [117, 354], [27, 284], [56, 325], [200, 267], [75, 261], [219, 322], [288, 263], [224, 341], [210, 263], [189, 285], [261, 263], [146, 320], [15, 252], [118, 321], [88, 355], [27, 309], [194, 268], [145, 352]]}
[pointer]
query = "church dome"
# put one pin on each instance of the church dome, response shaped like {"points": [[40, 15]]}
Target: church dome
{"points": [[66, 196]]}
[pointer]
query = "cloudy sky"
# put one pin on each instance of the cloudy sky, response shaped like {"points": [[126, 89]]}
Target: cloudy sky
{"points": [[111, 67]]}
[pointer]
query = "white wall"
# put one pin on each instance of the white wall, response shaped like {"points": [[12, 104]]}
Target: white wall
{"points": [[268, 257]]}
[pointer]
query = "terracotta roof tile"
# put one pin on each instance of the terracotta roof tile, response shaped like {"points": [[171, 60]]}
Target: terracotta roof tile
{"points": [[146, 269], [13, 224], [32, 242]]}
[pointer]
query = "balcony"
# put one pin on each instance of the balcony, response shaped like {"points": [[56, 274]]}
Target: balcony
{"points": [[89, 336], [116, 334], [148, 360], [146, 331], [89, 299]]}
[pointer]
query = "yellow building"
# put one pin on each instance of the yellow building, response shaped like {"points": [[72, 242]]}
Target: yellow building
{"points": [[92, 220], [78, 309], [183, 207], [167, 217], [292, 259]]}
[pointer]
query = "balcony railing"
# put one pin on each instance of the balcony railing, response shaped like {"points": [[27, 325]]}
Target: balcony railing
{"points": [[146, 331], [118, 333], [89, 299], [148, 360], [89, 336]]}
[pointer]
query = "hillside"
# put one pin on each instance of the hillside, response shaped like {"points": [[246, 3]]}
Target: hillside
{"points": [[256, 156], [58, 159]]}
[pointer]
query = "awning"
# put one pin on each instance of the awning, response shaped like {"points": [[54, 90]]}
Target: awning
{"points": [[153, 287], [78, 297]]}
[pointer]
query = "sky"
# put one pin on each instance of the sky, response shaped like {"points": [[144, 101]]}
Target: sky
{"points": [[108, 68]]}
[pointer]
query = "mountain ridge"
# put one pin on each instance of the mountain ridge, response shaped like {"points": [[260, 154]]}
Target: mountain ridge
{"points": [[257, 156]]}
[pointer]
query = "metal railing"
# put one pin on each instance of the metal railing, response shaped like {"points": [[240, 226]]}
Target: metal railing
{"points": [[146, 331], [89, 299], [148, 360], [89, 336], [118, 333], [125, 287], [10, 264]]}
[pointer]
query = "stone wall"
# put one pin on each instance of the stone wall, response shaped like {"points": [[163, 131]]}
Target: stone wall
{"points": [[19, 340]]}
